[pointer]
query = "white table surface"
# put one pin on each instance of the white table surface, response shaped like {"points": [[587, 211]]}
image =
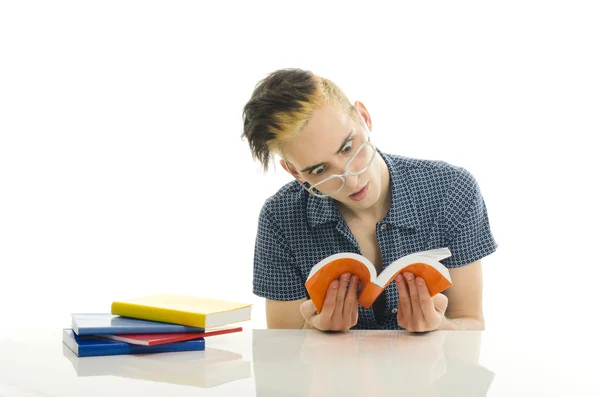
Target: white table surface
{"points": [[259, 362]]}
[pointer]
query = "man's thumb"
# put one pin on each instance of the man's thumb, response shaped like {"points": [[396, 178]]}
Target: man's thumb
{"points": [[308, 309]]}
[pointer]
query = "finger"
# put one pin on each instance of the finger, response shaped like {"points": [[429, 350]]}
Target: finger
{"points": [[354, 320], [329, 301], [351, 298], [404, 305], [417, 313], [340, 297], [400, 314], [427, 308]]}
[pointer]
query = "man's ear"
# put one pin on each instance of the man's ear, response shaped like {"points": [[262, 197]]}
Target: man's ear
{"points": [[362, 109], [290, 168]]}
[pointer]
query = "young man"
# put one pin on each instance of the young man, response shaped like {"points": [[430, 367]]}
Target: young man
{"points": [[349, 196]]}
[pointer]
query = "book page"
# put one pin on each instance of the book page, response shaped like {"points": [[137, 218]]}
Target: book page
{"points": [[431, 257]]}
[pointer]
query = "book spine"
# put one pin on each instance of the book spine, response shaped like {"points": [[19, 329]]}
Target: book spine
{"points": [[109, 330], [136, 330], [102, 350], [196, 344], [162, 315], [369, 294], [124, 348]]}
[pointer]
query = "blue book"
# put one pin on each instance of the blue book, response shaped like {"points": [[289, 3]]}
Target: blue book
{"points": [[110, 324], [87, 346]]}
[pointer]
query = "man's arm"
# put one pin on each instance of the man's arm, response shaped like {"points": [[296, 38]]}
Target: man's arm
{"points": [[465, 309], [284, 314]]}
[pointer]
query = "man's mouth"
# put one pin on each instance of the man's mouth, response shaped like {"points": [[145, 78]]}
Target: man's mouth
{"points": [[360, 194]]}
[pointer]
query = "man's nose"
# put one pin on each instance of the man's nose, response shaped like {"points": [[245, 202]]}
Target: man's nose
{"points": [[352, 182]]}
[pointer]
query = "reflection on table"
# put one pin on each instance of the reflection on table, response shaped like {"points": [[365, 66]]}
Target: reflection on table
{"points": [[205, 369], [382, 363]]}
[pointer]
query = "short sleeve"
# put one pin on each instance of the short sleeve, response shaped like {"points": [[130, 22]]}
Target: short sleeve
{"points": [[468, 229], [275, 276]]}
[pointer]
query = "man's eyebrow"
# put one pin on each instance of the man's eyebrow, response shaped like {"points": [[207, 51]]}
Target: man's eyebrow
{"points": [[312, 167]]}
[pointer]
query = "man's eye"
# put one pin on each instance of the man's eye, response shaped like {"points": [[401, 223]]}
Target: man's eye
{"points": [[317, 171], [348, 147]]}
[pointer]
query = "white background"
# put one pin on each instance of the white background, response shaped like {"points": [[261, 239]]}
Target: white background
{"points": [[122, 171]]}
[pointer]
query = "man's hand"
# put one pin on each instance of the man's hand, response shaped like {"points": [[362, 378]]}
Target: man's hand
{"points": [[340, 309], [417, 310]]}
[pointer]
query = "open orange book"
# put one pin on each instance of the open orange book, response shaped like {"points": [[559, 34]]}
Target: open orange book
{"points": [[425, 264]]}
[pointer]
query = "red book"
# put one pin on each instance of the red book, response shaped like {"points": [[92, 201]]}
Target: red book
{"points": [[158, 339]]}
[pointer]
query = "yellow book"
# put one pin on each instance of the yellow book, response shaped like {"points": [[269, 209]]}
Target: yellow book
{"points": [[183, 310]]}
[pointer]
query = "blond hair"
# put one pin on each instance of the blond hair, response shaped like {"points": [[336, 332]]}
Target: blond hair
{"points": [[280, 107]]}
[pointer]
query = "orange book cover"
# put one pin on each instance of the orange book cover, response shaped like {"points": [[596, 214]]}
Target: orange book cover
{"points": [[425, 264]]}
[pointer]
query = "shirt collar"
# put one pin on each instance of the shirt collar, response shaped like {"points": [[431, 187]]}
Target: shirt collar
{"points": [[402, 213], [321, 210], [403, 209]]}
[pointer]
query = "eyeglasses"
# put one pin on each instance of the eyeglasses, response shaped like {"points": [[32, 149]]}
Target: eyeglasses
{"points": [[358, 163]]}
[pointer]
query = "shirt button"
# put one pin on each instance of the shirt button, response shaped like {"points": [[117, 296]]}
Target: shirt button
{"points": [[384, 226], [395, 310]]}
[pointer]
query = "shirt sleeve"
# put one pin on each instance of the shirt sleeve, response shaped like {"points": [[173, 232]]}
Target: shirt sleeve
{"points": [[275, 275], [468, 229]]}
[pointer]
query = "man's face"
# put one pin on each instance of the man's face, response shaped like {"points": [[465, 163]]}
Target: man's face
{"points": [[323, 148]]}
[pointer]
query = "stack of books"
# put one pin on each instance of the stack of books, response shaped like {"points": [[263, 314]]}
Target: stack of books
{"points": [[153, 324]]}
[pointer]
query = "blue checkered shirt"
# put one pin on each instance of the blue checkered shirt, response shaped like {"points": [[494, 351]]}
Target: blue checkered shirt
{"points": [[434, 204]]}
